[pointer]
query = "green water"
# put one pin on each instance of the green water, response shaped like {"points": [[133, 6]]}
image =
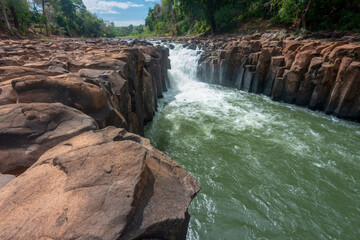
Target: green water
{"points": [[268, 170]]}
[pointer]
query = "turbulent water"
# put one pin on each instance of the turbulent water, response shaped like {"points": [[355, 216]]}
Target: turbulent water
{"points": [[268, 170]]}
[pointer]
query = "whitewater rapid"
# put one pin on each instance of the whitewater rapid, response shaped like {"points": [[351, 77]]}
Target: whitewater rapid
{"points": [[268, 170]]}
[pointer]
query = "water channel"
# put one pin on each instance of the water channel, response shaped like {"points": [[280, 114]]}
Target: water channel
{"points": [[268, 170]]}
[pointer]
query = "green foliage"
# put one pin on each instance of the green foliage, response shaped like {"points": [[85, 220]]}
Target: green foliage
{"points": [[349, 20], [179, 17], [225, 16], [68, 17], [182, 17], [289, 11], [131, 31]]}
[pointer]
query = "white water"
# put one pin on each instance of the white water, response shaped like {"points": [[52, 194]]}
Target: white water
{"points": [[268, 170]]}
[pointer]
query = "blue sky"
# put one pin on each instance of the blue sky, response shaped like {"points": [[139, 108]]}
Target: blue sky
{"points": [[121, 12]]}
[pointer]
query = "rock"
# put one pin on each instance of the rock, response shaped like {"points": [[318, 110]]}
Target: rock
{"points": [[306, 87], [11, 72], [262, 69], [324, 81], [28, 130], [5, 179], [38, 61], [347, 50], [86, 183], [345, 96], [73, 91], [105, 184], [275, 64], [301, 72]]}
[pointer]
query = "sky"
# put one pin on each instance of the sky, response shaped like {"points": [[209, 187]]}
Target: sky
{"points": [[121, 12]]}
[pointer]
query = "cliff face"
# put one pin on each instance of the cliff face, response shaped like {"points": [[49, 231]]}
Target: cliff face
{"points": [[323, 76], [65, 107]]}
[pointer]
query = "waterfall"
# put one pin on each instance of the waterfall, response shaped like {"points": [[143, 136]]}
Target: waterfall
{"points": [[183, 70], [268, 170]]}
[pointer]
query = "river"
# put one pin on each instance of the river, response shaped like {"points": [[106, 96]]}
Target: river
{"points": [[268, 170]]}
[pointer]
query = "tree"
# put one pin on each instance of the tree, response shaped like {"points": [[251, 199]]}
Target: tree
{"points": [[3, 9], [45, 18], [304, 14], [14, 14]]}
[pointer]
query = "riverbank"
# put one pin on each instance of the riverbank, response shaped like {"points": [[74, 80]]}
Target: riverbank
{"points": [[72, 113]]}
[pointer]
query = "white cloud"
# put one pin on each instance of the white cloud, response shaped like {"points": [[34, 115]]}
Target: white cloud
{"points": [[127, 23], [102, 6]]}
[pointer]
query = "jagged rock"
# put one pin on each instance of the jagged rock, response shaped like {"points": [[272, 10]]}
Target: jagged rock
{"points": [[28, 130], [105, 184]]}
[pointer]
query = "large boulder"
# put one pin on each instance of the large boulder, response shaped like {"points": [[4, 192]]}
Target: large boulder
{"points": [[104, 184]]}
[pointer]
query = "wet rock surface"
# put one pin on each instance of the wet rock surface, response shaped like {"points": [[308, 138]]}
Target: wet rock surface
{"points": [[67, 108]]}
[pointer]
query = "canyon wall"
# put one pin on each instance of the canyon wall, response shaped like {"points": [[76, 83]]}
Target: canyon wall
{"points": [[321, 75], [66, 107]]}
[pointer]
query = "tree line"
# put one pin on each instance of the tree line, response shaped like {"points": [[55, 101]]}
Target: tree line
{"points": [[179, 17], [59, 17]]}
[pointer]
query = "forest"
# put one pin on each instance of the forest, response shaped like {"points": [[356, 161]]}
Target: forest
{"points": [[180, 17], [53, 17]]}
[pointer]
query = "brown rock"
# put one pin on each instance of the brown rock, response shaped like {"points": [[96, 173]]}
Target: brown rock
{"points": [[70, 90], [347, 50], [105, 184], [345, 96], [307, 85], [28, 130], [11, 72]]}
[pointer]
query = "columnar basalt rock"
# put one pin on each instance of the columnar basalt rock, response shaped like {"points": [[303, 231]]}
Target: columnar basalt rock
{"points": [[322, 75], [66, 112]]}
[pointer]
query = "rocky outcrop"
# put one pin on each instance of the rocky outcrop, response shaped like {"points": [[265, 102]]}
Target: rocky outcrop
{"points": [[115, 82], [322, 75], [104, 184], [69, 168]]}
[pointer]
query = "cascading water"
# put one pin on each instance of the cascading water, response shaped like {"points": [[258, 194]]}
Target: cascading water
{"points": [[268, 170]]}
